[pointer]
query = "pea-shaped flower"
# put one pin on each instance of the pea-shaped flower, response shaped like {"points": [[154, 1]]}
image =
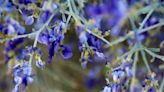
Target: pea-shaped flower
{"points": [[29, 20]]}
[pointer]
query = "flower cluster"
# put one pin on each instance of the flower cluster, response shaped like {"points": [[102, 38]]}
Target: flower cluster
{"points": [[120, 78], [22, 75], [112, 36]]}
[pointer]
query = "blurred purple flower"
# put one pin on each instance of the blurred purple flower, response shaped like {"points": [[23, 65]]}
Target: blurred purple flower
{"points": [[22, 75], [29, 20], [66, 52]]}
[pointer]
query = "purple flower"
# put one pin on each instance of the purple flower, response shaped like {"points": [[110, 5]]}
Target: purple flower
{"points": [[101, 12], [27, 1], [12, 27], [55, 38], [107, 89], [151, 89], [22, 75], [43, 38], [66, 52], [126, 67], [17, 80], [116, 88], [44, 17], [52, 49], [83, 37], [100, 55], [16, 88], [11, 46], [9, 7], [49, 6], [54, 46], [84, 64], [29, 20], [138, 37], [40, 63], [91, 79], [151, 21], [11, 30], [117, 75], [1, 2]]}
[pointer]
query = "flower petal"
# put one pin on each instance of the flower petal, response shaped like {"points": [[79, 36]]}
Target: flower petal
{"points": [[66, 53]]}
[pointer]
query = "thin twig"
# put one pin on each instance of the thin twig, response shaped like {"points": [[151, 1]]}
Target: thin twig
{"points": [[154, 54], [134, 72], [121, 39], [134, 49], [37, 35], [145, 60], [162, 86], [145, 19]]}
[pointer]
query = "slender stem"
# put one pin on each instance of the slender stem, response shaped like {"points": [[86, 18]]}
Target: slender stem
{"points": [[145, 60], [29, 34], [135, 57], [132, 23], [134, 49], [77, 18], [154, 54], [63, 17], [162, 86], [135, 63], [74, 7], [67, 21], [134, 71], [121, 39], [161, 66], [154, 49], [145, 19], [103, 39], [37, 35], [18, 36], [148, 8], [69, 5]]}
